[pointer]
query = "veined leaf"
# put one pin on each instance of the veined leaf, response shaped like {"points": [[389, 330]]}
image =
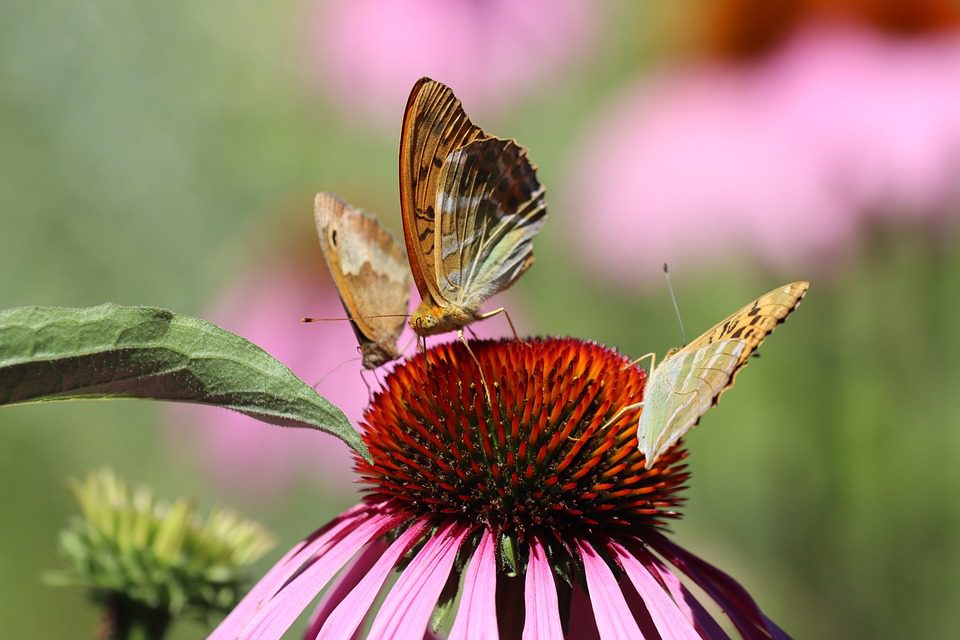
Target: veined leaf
{"points": [[112, 351]]}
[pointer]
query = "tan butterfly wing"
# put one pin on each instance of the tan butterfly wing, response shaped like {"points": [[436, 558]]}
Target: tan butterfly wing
{"points": [[691, 380], [369, 268], [434, 125], [754, 322], [490, 207]]}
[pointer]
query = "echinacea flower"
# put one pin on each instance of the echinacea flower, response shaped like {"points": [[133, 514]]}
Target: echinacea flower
{"points": [[369, 52], [784, 159], [147, 561], [535, 508]]}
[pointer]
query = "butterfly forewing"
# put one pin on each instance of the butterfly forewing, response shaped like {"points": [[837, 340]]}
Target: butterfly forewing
{"points": [[754, 322], [434, 125], [681, 390], [490, 207], [692, 379], [369, 268]]}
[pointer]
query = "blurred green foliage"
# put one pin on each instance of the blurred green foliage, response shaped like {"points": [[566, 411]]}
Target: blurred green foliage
{"points": [[152, 150]]}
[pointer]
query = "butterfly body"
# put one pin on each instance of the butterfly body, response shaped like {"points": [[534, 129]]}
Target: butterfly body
{"points": [[430, 319], [690, 380], [369, 268], [471, 205]]}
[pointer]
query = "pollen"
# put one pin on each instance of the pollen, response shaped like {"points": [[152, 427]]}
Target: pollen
{"points": [[551, 451]]}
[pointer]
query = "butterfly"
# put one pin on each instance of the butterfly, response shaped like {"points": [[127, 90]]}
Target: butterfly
{"points": [[471, 205], [691, 380], [369, 268]]}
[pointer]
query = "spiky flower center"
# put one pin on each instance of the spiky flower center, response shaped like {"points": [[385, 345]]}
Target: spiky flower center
{"points": [[551, 450]]}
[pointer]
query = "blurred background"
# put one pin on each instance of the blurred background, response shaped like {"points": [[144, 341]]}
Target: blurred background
{"points": [[167, 154]]}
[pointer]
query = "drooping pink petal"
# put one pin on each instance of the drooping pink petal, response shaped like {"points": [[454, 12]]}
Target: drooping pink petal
{"points": [[704, 623], [732, 598], [610, 609], [477, 616], [276, 615], [540, 597], [344, 585], [278, 575], [406, 611], [353, 608], [667, 617]]}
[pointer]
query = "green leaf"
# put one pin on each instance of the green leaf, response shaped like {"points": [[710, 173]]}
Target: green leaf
{"points": [[111, 351]]}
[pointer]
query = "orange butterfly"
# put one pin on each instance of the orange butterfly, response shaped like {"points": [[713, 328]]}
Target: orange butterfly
{"points": [[471, 205]]}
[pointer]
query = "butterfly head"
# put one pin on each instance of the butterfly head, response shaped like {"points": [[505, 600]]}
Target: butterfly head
{"points": [[430, 319]]}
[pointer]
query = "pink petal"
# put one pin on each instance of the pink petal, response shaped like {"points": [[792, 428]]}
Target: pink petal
{"points": [[610, 609], [706, 626], [352, 609], [278, 575], [477, 615], [406, 611], [540, 597], [732, 598], [667, 617], [279, 613], [344, 585]]}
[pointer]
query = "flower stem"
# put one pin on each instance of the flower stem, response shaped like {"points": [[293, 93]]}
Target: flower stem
{"points": [[125, 619]]}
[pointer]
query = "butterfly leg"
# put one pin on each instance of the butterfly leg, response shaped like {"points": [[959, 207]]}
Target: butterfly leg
{"points": [[490, 314], [653, 361], [616, 416], [620, 412], [483, 378], [422, 346], [367, 385]]}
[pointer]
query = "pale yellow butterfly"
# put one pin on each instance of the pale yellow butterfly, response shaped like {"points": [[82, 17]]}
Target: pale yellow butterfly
{"points": [[690, 380]]}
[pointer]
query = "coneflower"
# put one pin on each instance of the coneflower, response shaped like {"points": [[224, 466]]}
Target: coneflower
{"points": [[535, 509]]}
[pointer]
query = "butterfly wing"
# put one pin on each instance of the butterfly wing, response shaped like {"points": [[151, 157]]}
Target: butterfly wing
{"points": [[754, 322], [490, 207], [681, 390], [434, 125], [686, 388], [369, 267]]}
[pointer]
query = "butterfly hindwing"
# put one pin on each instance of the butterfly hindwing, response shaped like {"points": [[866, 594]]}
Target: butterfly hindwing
{"points": [[490, 207], [690, 380], [369, 268], [434, 125], [681, 390]]}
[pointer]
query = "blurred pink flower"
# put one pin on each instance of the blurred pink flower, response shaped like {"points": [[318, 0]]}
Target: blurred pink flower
{"points": [[370, 52], [782, 158], [265, 307]]}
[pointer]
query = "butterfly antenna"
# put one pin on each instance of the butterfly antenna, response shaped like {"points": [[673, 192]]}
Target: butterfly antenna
{"points": [[332, 371], [388, 315], [676, 307]]}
